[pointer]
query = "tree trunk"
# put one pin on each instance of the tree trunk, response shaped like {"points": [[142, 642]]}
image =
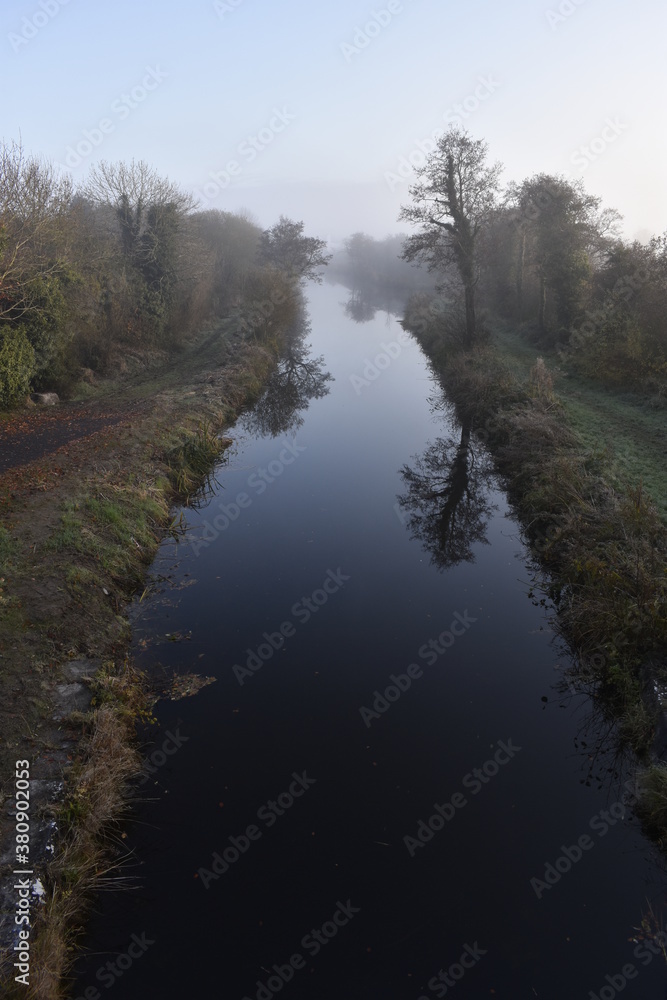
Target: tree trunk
{"points": [[543, 302], [519, 276], [466, 430], [470, 315]]}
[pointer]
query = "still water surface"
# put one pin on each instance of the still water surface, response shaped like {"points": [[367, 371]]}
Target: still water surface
{"points": [[355, 533]]}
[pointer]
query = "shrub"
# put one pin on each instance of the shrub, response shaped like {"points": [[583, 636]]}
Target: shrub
{"points": [[45, 322], [17, 366]]}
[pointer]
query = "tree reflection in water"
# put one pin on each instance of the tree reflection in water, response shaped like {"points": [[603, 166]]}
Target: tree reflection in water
{"points": [[358, 308], [447, 499], [366, 300], [297, 379]]}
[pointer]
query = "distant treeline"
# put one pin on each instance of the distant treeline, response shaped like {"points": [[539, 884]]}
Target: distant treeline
{"points": [[126, 259], [367, 263]]}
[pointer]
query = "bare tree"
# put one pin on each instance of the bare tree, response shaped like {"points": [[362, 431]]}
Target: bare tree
{"points": [[35, 228], [148, 216], [143, 204], [453, 200]]}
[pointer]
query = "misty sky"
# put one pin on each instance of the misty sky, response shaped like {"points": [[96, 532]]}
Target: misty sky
{"points": [[307, 107]]}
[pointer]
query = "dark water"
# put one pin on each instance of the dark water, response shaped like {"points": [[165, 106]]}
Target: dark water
{"points": [[322, 896]]}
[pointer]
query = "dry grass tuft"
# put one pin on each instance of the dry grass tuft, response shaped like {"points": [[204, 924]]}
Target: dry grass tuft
{"points": [[542, 382]]}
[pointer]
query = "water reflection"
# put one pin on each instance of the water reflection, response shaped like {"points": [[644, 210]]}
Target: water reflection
{"points": [[297, 380], [447, 498], [358, 308], [303, 713], [368, 299]]}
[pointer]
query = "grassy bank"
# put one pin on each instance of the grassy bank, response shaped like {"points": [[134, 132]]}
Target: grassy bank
{"points": [[585, 473], [79, 529], [628, 429]]}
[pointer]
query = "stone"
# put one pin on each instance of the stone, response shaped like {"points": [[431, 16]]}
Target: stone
{"points": [[45, 398]]}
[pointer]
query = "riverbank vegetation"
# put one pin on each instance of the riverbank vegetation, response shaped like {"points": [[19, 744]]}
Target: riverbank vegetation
{"points": [[549, 334], [546, 257], [600, 538], [542, 258], [79, 534], [597, 533], [160, 323], [126, 262]]}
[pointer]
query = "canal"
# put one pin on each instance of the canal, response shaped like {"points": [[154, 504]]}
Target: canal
{"points": [[391, 790]]}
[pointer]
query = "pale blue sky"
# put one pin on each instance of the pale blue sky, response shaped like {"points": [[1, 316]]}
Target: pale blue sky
{"points": [[339, 114]]}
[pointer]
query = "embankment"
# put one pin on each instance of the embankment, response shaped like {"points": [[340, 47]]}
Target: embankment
{"points": [[79, 528], [594, 530]]}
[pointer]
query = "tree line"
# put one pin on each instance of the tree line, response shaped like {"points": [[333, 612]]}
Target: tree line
{"points": [[127, 259], [364, 262], [543, 254]]}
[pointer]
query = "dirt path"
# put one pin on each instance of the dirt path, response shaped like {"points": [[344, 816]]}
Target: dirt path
{"points": [[28, 437]]}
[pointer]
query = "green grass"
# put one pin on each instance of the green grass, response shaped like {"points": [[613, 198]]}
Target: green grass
{"points": [[118, 533], [190, 461], [622, 427], [80, 578], [632, 436], [68, 536]]}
